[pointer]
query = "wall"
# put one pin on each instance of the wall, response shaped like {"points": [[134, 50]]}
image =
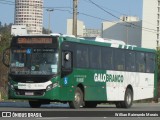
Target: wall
{"points": [[129, 33]]}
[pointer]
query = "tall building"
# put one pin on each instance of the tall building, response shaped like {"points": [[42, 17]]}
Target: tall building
{"points": [[124, 30], [80, 26], [151, 23], [82, 31], [29, 13]]}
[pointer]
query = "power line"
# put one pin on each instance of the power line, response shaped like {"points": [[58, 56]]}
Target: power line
{"points": [[109, 9], [143, 28], [61, 9], [80, 13]]}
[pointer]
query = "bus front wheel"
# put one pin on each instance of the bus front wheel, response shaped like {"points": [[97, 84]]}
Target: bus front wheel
{"points": [[78, 99], [35, 104]]}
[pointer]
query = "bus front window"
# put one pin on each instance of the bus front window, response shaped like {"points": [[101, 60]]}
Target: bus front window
{"points": [[44, 61], [19, 62], [37, 61]]}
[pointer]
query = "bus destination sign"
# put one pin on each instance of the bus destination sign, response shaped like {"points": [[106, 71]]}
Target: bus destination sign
{"points": [[34, 40]]}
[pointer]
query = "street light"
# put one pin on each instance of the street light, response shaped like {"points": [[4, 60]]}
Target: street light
{"points": [[49, 16]]}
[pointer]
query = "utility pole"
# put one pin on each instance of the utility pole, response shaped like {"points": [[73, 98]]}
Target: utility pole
{"points": [[75, 6], [49, 17], [157, 44], [127, 31]]}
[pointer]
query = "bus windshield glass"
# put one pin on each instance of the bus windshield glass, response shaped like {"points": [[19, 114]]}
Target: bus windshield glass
{"points": [[34, 55], [35, 61]]}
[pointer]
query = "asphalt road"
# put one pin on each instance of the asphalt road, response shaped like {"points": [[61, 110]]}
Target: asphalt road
{"points": [[24, 106], [56, 108]]}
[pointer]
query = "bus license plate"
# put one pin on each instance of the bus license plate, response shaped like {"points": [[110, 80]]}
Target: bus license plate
{"points": [[29, 93]]}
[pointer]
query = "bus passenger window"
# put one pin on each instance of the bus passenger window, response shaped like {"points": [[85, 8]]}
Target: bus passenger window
{"points": [[150, 63], [119, 60], [140, 62], [107, 57], [82, 56], [95, 57], [130, 61]]}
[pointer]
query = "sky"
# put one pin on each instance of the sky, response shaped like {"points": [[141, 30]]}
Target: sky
{"points": [[63, 11]]}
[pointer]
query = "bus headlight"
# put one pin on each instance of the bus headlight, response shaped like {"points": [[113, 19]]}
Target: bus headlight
{"points": [[51, 86]]}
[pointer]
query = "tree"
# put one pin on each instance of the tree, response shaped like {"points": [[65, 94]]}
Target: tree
{"points": [[45, 31], [5, 31], [158, 60]]}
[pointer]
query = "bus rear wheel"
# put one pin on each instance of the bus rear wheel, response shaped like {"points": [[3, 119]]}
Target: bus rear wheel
{"points": [[78, 99], [35, 104], [128, 100]]}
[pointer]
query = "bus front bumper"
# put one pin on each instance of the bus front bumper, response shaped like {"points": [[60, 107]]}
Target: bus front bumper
{"points": [[45, 94]]}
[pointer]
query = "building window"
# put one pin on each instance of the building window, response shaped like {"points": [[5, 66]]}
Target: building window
{"points": [[157, 36]]}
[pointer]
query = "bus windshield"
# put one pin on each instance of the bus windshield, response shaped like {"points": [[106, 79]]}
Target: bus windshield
{"points": [[34, 61]]}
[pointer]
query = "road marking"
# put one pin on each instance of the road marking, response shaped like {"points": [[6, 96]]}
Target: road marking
{"points": [[53, 118]]}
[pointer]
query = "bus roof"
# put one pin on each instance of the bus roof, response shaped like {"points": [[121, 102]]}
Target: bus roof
{"points": [[113, 45], [94, 42]]}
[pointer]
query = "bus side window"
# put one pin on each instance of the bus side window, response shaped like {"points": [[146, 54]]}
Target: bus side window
{"points": [[82, 56], [119, 60], [107, 58], [130, 61], [150, 62], [95, 57], [140, 62]]}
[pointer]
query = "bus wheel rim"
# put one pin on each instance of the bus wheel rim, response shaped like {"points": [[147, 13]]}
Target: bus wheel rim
{"points": [[129, 99], [77, 98]]}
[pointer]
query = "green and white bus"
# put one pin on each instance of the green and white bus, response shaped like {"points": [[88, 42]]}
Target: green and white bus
{"points": [[57, 68]]}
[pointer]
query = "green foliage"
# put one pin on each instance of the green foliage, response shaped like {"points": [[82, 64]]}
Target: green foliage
{"points": [[5, 34], [5, 31], [158, 60], [46, 31]]}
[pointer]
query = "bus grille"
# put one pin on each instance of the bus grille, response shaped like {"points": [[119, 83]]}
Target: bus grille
{"points": [[30, 92]]}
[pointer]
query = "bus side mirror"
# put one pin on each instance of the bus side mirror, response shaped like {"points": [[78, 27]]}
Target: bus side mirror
{"points": [[6, 57], [66, 63], [67, 56], [66, 59]]}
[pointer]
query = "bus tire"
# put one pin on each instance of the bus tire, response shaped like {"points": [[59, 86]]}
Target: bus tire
{"points": [[118, 104], [90, 104], [128, 99], [35, 104], [78, 99]]}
